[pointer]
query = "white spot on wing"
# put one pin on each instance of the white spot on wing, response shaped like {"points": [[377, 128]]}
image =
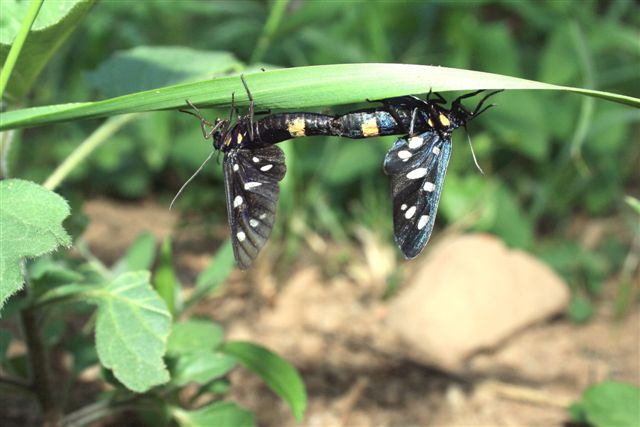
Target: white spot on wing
{"points": [[403, 206], [266, 167], [404, 154], [241, 236], [237, 201], [424, 219], [262, 216], [429, 186], [436, 150], [255, 159], [253, 223], [235, 167], [250, 185], [417, 173], [415, 142], [410, 212]]}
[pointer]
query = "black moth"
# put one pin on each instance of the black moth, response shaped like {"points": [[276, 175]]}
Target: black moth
{"points": [[417, 165], [417, 162], [252, 171]]}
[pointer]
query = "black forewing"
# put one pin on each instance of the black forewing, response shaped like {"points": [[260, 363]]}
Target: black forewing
{"points": [[417, 166], [251, 187]]}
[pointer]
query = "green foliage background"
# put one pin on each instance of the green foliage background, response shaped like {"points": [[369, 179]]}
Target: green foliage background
{"points": [[550, 158]]}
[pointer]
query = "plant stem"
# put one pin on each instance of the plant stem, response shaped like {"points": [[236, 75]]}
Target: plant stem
{"points": [[39, 367], [275, 16], [90, 413], [16, 47], [6, 138], [83, 151]]}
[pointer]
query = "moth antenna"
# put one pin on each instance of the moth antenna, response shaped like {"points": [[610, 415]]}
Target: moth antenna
{"points": [[190, 179], [473, 154]]}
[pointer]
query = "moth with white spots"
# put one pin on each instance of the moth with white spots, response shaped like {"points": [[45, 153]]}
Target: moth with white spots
{"points": [[251, 180], [416, 184], [417, 164]]}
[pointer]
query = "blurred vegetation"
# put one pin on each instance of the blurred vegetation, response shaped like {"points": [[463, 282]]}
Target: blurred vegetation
{"points": [[555, 163]]}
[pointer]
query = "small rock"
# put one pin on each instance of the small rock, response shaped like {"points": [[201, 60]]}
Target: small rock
{"points": [[472, 293]]}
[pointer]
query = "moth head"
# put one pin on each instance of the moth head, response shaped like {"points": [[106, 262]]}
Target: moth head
{"points": [[459, 115], [220, 133]]}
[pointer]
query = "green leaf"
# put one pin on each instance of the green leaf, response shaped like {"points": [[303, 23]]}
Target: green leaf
{"points": [[576, 413], [52, 272], [511, 223], [634, 203], [55, 21], [165, 281], [276, 372], [194, 335], [610, 404], [139, 256], [200, 367], [221, 414], [471, 199], [31, 223], [295, 88], [351, 162], [150, 67], [64, 292], [580, 309], [218, 269], [221, 265], [132, 327]]}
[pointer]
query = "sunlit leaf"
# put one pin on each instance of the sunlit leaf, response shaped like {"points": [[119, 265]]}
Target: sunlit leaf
{"points": [[276, 372], [221, 414], [31, 223], [296, 88], [194, 335], [132, 327], [55, 21], [200, 367]]}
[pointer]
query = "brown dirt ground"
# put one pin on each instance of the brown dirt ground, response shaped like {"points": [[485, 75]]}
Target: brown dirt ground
{"points": [[353, 374]]}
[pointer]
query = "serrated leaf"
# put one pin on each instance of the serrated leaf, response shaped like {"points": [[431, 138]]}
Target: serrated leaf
{"points": [[30, 225], [221, 414], [276, 372], [150, 67], [200, 367], [194, 335], [296, 88], [132, 327], [55, 21]]}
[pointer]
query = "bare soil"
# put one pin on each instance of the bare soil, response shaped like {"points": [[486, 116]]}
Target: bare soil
{"points": [[354, 373]]}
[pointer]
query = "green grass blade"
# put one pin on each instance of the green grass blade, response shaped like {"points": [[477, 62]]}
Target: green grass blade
{"points": [[296, 88], [16, 47]]}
